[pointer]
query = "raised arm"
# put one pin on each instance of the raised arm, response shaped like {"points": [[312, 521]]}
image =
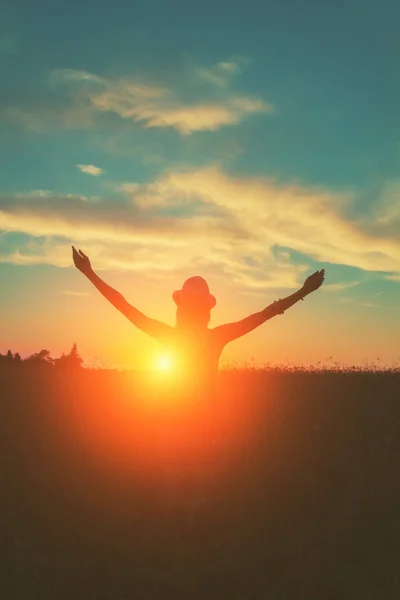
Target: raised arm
{"points": [[232, 331], [152, 327]]}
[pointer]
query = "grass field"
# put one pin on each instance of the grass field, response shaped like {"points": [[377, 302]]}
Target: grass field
{"points": [[299, 483]]}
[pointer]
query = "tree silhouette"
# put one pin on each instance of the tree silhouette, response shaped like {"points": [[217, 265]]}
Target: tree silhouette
{"points": [[6, 359], [42, 358], [61, 361], [73, 360]]}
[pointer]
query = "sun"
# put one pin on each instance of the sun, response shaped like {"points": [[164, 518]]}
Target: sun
{"points": [[164, 363]]}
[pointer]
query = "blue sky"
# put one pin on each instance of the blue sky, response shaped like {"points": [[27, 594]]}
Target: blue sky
{"points": [[236, 140]]}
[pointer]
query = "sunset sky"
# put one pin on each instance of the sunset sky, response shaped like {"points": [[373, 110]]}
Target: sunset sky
{"points": [[250, 143]]}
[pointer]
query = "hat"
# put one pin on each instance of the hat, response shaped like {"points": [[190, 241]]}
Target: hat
{"points": [[194, 288]]}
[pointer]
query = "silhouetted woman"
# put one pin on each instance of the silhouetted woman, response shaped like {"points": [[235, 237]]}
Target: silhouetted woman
{"points": [[196, 348]]}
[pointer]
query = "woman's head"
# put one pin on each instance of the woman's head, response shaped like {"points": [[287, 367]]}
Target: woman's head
{"points": [[194, 302]]}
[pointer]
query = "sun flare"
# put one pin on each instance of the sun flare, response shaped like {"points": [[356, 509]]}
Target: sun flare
{"points": [[164, 363]]}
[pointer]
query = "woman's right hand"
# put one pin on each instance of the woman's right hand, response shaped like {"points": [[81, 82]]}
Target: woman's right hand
{"points": [[81, 261]]}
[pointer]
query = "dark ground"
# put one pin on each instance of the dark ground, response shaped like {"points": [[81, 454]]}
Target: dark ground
{"points": [[306, 504]]}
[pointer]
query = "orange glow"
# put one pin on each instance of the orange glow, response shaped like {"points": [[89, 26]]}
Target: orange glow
{"points": [[128, 426]]}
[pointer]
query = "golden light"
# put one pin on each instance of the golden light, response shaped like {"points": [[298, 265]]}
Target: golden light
{"points": [[164, 363]]}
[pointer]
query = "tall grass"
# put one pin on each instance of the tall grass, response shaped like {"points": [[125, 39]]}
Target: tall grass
{"points": [[284, 484]]}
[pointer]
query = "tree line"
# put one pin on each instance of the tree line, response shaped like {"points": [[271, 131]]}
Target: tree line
{"points": [[73, 360]]}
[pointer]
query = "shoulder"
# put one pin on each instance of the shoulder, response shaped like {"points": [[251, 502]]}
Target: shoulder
{"points": [[218, 335]]}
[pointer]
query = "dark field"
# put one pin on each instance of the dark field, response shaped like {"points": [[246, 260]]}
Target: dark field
{"points": [[300, 492]]}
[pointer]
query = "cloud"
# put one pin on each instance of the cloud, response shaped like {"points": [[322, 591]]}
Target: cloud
{"points": [[46, 119], [383, 306], [219, 75], [386, 211], [63, 77], [243, 230], [91, 170], [25, 119], [307, 219], [393, 277], [200, 117], [158, 106], [341, 286], [370, 305], [89, 96]]}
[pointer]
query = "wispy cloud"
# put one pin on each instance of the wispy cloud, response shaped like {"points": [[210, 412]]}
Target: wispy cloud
{"points": [[341, 286], [164, 105], [91, 170], [200, 117], [386, 211], [382, 306], [63, 77], [205, 220], [371, 305], [219, 75], [25, 119], [43, 119], [160, 106]]}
